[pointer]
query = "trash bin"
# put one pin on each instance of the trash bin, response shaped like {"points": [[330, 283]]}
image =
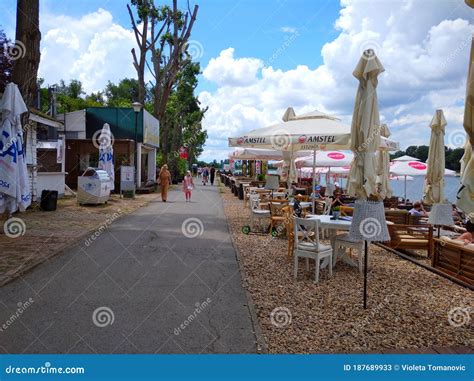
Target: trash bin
{"points": [[49, 200], [93, 187]]}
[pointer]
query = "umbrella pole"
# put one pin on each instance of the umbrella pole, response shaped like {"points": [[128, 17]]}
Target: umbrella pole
{"points": [[314, 181], [405, 189]]}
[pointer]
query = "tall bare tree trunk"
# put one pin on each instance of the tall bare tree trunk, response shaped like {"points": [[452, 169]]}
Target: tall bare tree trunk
{"points": [[28, 37]]}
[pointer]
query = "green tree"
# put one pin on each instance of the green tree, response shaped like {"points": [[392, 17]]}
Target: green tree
{"points": [[6, 62], [122, 94], [182, 123]]}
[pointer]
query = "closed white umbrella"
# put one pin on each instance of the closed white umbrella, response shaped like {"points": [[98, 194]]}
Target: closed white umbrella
{"points": [[106, 153], [14, 186], [365, 129], [433, 192], [383, 167], [465, 195], [466, 156]]}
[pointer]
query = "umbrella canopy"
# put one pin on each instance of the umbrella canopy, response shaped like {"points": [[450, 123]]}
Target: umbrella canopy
{"points": [[14, 186], [106, 153], [413, 168], [406, 158], [310, 131], [383, 167], [260, 154], [434, 182], [465, 195], [365, 129], [326, 159]]}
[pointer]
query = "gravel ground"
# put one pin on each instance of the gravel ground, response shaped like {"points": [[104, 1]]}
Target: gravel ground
{"points": [[409, 307]]}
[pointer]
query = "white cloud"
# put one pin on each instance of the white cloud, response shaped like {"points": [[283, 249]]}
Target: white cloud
{"points": [[88, 48], [425, 61], [227, 71]]}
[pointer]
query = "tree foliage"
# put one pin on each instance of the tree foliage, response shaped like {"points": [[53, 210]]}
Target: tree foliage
{"points": [[6, 62], [452, 156]]}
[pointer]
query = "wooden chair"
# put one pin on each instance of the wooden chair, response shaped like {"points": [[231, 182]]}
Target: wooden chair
{"points": [[454, 258], [414, 237], [346, 210], [307, 245], [302, 198], [397, 216], [289, 226], [276, 212]]}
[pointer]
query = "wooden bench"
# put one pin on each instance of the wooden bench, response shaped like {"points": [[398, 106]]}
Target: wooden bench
{"points": [[454, 258], [411, 237]]}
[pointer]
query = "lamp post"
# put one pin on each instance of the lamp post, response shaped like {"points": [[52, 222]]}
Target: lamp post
{"points": [[137, 107]]}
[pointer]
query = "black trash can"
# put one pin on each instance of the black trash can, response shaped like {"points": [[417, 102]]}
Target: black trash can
{"points": [[49, 200]]}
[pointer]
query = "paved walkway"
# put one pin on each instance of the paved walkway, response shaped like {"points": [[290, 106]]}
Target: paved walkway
{"points": [[142, 286]]}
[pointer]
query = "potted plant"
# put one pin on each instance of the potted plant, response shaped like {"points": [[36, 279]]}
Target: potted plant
{"points": [[261, 177], [336, 212]]}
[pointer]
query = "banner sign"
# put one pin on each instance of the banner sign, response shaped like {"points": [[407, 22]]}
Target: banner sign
{"points": [[237, 367]]}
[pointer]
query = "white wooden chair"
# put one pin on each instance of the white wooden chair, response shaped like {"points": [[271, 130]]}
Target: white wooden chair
{"points": [[257, 214], [343, 242], [326, 212], [307, 245], [248, 190]]}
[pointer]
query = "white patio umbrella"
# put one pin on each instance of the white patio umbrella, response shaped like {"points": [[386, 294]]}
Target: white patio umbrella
{"points": [[383, 167], [365, 129], [406, 158], [310, 131], [106, 153], [433, 192], [466, 156], [368, 223], [326, 159], [412, 168], [14, 187], [464, 197]]}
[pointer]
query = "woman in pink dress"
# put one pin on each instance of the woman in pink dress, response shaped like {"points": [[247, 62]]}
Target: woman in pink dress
{"points": [[188, 185]]}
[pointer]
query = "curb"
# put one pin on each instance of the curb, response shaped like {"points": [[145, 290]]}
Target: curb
{"points": [[261, 345]]}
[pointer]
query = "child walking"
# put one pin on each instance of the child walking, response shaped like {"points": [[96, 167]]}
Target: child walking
{"points": [[188, 185]]}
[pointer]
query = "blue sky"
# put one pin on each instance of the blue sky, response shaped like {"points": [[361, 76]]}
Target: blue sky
{"points": [[260, 56], [253, 28]]}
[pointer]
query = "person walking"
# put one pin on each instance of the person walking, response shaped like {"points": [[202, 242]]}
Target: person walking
{"points": [[165, 181], [205, 175], [213, 174], [188, 185]]}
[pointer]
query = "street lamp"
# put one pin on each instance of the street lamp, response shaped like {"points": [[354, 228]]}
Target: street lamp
{"points": [[137, 107]]}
